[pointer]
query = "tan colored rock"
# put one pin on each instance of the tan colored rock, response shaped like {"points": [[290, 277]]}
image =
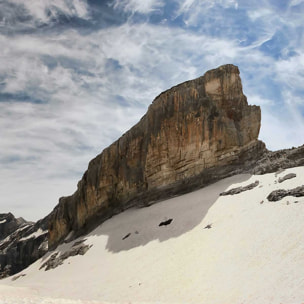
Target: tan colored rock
{"points": [[195, 133]]}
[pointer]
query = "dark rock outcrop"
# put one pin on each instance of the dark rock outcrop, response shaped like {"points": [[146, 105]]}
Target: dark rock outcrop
{"points": [[165, 223], [277, 195], [21, 243], [240, 189], [57, 258], [286, 177], [9, 224], [193, 134], [273, 161]]}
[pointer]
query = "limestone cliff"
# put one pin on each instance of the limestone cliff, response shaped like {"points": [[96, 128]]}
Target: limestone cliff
{"points": [[191, 135]]}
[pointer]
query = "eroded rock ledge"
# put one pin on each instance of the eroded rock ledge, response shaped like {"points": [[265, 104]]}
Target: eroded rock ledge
{"points": [[193, 134]]}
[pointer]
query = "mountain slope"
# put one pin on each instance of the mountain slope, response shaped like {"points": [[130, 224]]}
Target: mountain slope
{"points": [[239, 248]]}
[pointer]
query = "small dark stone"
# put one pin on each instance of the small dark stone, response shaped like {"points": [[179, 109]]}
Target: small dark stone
{"points": [[126, 236], [165, 223], [208, 226]]}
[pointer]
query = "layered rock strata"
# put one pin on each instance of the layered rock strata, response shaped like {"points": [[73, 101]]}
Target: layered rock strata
{"points": [[193, 134]]}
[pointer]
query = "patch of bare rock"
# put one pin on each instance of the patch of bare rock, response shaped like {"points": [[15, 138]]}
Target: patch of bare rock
{"points": [[240, 189], [286, 177], [277, 195], [57, 259]]}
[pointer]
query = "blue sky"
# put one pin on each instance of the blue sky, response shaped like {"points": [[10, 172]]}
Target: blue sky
{"points": [[75, 75]]}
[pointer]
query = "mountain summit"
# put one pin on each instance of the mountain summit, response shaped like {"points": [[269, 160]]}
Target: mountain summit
{"points": [[192, 134]]}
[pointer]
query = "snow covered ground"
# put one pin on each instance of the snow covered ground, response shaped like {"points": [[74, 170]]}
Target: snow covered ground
{"points": [[237, 248]]}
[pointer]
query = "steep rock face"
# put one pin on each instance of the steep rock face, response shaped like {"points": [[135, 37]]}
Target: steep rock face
{"points": [[195, 133], [21, 243], [8, 224]]}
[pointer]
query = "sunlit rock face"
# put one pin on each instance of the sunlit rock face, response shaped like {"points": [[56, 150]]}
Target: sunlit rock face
{"points": [[192, 134]]}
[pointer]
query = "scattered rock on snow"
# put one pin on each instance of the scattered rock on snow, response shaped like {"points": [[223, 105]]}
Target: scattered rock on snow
{"points": [[56, 260], [126, 236], [277, 195], [166, 223], [240, 189], [287, 176], [18, 276]]}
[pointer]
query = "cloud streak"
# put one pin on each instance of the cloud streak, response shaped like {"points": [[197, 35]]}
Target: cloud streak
{"points": [[41, 12], [69, 89]]}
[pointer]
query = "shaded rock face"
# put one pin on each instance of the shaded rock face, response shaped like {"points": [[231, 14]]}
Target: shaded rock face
{"points": [[193, 134], [8, 224], [21, 243]]}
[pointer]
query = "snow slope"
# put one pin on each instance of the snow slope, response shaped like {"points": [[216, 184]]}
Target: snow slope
{"points": [[237, 248]]}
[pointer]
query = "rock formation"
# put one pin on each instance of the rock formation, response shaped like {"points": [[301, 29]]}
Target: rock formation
{"points": [[21, 243], [241, 189], [9, 224], [193, 134], [277, 195], [273, 161]]}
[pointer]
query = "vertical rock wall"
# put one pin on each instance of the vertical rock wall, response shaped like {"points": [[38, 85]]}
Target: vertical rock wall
{"points": [[202, 125]]}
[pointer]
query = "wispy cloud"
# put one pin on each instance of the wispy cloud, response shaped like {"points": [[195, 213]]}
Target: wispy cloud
{"points": [[35, 11], [62, 87], [139, 6]]}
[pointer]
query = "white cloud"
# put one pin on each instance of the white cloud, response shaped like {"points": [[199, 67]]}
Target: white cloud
{"points": [[112, 75], [260, 13], [44, 11], [295, 2], [282, 131], [260, 101], [138, 6], [291, 71], [193, 11]]}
